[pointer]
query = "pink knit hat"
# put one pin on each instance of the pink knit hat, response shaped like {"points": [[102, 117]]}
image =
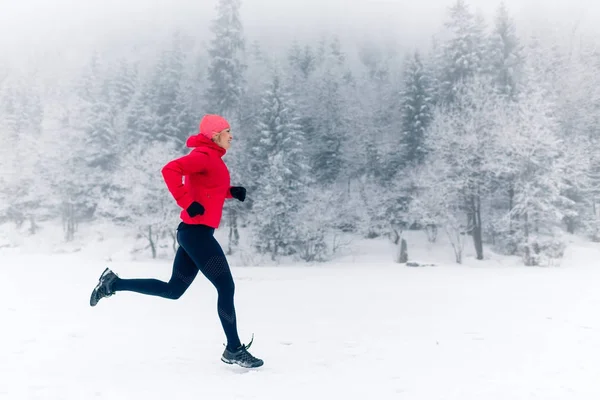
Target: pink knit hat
{"points": [[212, 124]]}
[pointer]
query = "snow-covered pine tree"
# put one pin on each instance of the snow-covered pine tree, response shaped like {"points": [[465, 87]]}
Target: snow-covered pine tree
{"points": [[284, 176], [142, 120], [591, 124], [73, 181], [140, 199], [163, 92], [371, 109], [593, 194], [123, 87], [540, 70], [463, 141], [463, 53], [368, 145], [9, 158], [505, 54], [93, 116], [302, 60], [538, 165], [417, 105], [22, 113], [504, 64], [259, 76], [226, 88], [578, 116], [328, 106], [93, 132], [226, 69], [183, 121]]}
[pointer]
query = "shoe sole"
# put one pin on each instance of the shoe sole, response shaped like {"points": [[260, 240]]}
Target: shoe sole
{"points": [[93, 300], [226, 361]]}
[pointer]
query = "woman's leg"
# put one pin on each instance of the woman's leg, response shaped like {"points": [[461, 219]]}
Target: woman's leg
{"points": [[184, 272], [203, 248]]}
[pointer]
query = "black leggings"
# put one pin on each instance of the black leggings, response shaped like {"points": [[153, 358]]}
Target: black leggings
{"points": [[198, 251]]}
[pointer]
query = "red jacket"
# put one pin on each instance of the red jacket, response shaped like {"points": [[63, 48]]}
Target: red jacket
{"points": [[206, 181]]}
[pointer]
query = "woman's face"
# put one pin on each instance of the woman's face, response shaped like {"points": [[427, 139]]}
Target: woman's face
{"points": [[224, 138]]}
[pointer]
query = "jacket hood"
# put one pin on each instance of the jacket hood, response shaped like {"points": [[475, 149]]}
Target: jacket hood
{"points": [[201, 141]]}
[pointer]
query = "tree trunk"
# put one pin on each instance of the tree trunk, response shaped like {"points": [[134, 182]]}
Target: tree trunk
{"points": [[397, 236], [69, 224], [477, 229], [403, 257], [234, 235], [151, 242], [455, 236], [571, 224], [174, 237], [274, 252], [33, 226], [511, 199], [595, 235], [528, 256], [432, 232]]}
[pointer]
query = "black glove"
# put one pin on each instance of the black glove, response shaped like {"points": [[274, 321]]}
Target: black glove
{"points": [[195, 209], [238, 192]]}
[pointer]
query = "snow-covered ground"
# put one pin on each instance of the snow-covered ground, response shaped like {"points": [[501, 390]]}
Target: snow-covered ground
{"points": [[354, 329]]}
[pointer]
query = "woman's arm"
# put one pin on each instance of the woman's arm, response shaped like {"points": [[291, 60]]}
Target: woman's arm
{"points": [[174, 172]]}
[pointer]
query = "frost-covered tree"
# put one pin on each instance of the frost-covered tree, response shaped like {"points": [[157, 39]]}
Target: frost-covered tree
{"points": [[226, 70], [463, 140], [141, 119], [139, 199], [21, 116], [90, 131], [505, 54], [592, 128], [257, 76], [9, 179], [417, 104], [75, 185], [463, 53], [536, 191], [302, 60], [123, 86], [327, 127], [283, 170], [567, 83], [160, 109], [93, 115], [226, 84], [183, 121], [439, 203], [372, 104]]}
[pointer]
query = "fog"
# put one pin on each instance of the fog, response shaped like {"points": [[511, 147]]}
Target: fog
{"points": [[42, 27]]}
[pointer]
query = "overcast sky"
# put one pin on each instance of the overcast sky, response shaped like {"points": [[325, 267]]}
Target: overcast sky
{"points": [[34, 25]]}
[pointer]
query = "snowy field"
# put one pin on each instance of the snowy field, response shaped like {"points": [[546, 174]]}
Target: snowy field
{"points": [[352, 330]]}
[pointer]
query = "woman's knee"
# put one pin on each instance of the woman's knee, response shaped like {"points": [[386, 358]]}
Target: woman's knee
{"points": [[226, 286], [174, 295], [176, 290]]}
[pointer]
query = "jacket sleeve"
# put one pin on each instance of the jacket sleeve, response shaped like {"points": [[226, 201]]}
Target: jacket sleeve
{"points": [[174, 172], [228, 194]]}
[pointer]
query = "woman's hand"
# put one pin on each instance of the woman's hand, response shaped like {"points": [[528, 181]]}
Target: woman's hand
{"points": [[195, 209], [238, 192]]}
